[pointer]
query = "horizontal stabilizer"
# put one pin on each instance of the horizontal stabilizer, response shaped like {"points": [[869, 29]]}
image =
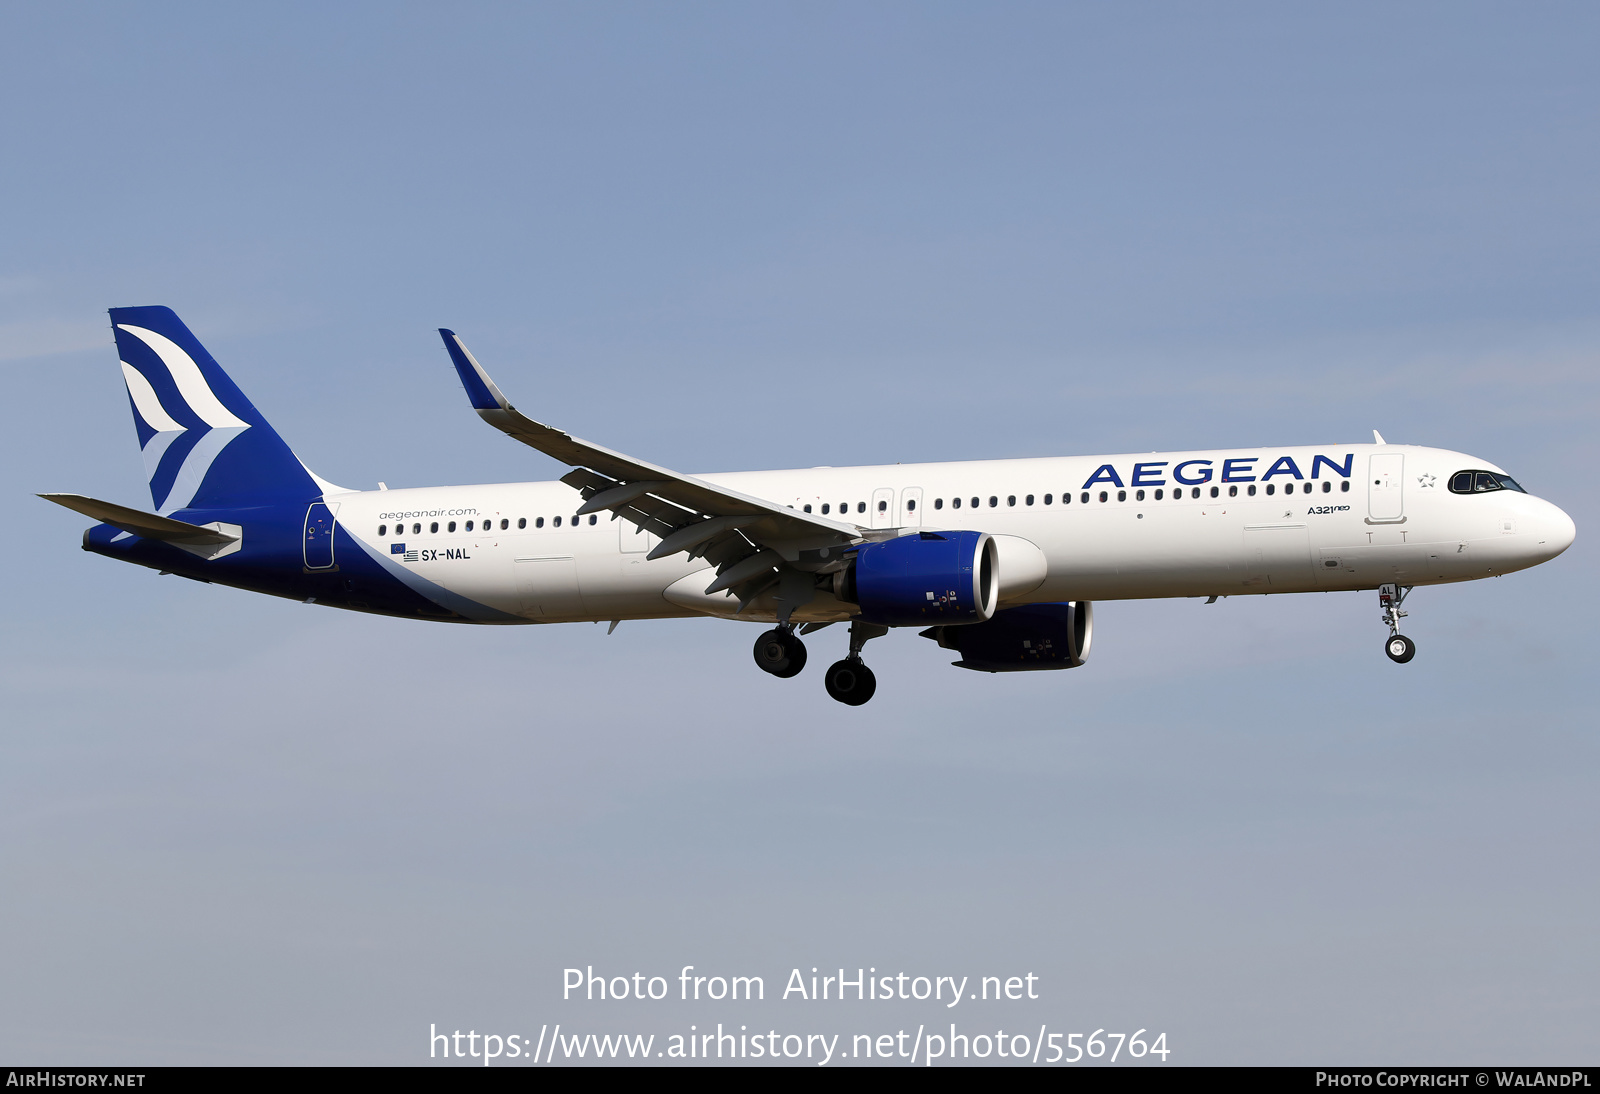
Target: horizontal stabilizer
{"points": [[143, 524]]}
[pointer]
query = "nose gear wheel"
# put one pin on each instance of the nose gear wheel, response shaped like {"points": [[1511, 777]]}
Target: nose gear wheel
{"points": [[1399, 648]]}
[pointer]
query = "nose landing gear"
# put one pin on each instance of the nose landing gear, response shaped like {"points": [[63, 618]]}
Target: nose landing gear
{"points": [[850, 681], [1399, 648], [779, 652]]}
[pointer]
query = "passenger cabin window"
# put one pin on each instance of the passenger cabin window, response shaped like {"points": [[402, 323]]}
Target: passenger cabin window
{"points": [[861, 507], [974, 503], [911, 505], [452, 527], [1048, 498], [1138, 495], [556, 522], [383, 530], [1104, 496], [1011, 499], [522, 522], [1085, 497], [883, 507], [938, 503], [1122, 495], [434, 527], [1251, 490], [1159, 494], [1482, 482], [807, 508], [538, 522], [416, 529], [955, 503]]}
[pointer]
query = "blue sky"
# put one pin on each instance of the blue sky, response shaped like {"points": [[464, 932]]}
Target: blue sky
{"points": [[721, 237]]}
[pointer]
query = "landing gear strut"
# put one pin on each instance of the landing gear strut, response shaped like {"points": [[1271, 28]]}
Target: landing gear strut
{"points": [[1399, 648], [780, 652], [850, 681]]}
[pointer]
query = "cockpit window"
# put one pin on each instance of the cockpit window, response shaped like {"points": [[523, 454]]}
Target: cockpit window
{"points": [[1482, 482]]}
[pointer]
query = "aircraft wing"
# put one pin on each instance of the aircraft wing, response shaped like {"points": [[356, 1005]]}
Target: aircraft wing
{"points": [[748, 539]]}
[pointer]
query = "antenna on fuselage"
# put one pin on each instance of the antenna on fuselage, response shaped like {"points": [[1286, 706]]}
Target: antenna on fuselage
{"points": [[1378, 437]]}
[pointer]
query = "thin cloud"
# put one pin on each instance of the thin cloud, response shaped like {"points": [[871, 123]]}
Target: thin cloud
{"points": [[28, 338]]}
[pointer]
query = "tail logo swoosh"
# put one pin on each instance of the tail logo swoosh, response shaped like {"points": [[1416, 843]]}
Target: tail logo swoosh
{"points": [[223, 425]]}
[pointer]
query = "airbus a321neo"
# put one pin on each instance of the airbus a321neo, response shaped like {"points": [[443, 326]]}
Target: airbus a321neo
{"points": [[997, 560]]}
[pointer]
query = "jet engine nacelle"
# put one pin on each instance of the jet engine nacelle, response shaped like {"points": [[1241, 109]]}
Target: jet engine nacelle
{"points": [[929, 577], [1032, 637]]}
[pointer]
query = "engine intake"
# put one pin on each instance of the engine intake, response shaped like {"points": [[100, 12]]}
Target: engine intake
{"points": [[946, 577], [1029, 638]]}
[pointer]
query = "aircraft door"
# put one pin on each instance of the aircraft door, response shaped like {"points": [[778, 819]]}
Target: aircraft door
{"points": [[318, 540], [1386, 487], [883, 513], [911, 507]]}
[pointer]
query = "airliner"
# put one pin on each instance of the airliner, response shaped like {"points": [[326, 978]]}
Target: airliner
{"points": [[1000, 561]]}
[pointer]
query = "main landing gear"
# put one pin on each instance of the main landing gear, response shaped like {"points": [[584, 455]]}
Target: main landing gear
{"points": [[1399, 648], [850, 681], [781, 653]]}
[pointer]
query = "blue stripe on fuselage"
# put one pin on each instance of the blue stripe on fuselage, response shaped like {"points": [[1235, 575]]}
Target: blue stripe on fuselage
{"points": [[271, 561]]}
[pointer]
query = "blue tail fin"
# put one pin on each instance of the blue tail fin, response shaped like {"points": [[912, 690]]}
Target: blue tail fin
{"points": [[205, 446]]}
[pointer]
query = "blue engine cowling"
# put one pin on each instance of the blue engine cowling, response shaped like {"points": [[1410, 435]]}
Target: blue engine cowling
{"points": [[1032, 637], [928, 577]]}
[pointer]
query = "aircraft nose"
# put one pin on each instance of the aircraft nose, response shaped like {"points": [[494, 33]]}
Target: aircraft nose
{"points": [[1559, 532]]}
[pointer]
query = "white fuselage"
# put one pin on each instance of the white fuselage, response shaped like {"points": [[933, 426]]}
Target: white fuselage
{"points": [[1390, 519]]}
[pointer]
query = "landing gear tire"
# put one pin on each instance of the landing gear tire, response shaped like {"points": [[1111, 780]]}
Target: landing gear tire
{"points": [[779, 652], [850, 682], [1400, 649]]}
